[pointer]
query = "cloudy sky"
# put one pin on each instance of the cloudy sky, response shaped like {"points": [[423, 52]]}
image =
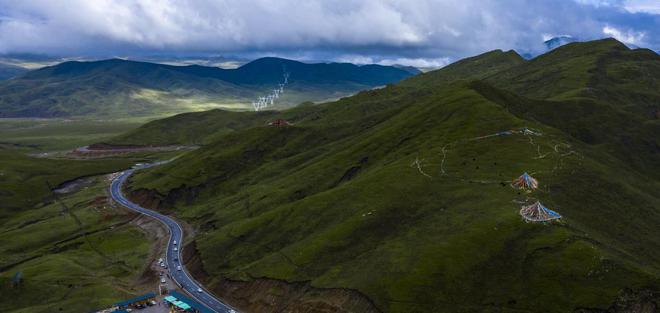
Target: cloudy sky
{"points": [[414, 32]]}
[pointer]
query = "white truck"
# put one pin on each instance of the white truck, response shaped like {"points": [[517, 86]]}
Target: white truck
{"points": [[175, 242], [178, 268]]}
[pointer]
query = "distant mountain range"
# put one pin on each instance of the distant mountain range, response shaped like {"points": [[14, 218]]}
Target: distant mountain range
{"points": [[118, 87]]}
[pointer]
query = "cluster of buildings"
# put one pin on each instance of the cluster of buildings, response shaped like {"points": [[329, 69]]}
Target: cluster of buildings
{"points": [[174, 302]]}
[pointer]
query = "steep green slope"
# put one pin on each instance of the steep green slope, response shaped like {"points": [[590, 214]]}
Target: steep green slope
{"points": [[403, 194], [603, 70], [115, 87], [600, 92], [477, 67]]}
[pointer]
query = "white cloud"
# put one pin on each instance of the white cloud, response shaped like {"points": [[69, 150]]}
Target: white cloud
{"points": [[417, 62], [416, 32], [628, 37], [644, 6], [600, 3]]}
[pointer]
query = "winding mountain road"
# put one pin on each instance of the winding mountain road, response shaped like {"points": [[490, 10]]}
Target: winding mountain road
{"points": [[173, 253]]}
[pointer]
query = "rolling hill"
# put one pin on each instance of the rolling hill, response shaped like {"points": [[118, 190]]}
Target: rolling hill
{"points": [[112, 88], [8, 71], [398, 199]]}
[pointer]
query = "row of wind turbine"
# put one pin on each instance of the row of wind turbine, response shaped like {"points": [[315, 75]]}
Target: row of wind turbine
{"points": [[269, 100]]}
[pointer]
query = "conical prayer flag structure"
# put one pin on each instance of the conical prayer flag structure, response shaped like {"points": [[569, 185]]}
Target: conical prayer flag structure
{"points": [[525, 182], [536, 212]]}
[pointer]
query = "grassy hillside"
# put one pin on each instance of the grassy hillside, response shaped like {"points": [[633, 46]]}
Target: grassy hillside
{"points": [[8, 71], [78, 259], [198, 127], [66, 266], [604, 70], [477, 67], [600, 92], [192, 128], [400, 193], [112, 88]]}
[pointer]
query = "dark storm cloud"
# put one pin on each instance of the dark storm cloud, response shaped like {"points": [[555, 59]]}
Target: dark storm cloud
{"points": [[421, 32]]}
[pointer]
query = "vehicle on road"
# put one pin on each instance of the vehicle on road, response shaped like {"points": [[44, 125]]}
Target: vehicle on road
{"points": [[162, 280], [182, 279]]}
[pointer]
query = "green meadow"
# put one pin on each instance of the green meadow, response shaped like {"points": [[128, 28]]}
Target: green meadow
{"points": [[65, 266]]}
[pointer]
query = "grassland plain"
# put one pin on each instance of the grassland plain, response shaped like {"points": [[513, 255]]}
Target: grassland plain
{"points": [[65, 266], [390, 192], [23, 178], [44, 135]]}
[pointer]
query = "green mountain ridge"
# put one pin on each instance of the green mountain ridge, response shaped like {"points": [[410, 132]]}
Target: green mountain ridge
{"points": [[402, 193], [115, 87]]}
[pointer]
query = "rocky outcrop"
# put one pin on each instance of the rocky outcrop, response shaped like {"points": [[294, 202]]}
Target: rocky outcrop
{"points": [[270, 295], [631, 301]]}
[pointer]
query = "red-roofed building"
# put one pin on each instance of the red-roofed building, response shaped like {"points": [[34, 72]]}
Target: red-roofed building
{"points": [[280, 123]]}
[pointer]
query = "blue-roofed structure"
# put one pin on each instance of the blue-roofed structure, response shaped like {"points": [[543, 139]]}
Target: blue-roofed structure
{"points": [[186, 304], [137, 300]]}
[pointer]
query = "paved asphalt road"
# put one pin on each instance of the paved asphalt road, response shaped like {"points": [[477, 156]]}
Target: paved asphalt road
{"points": [[172, 257]]}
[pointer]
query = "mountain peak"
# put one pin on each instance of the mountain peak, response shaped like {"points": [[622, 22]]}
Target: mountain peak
{"points": [[559, 41], [271, 61]]}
